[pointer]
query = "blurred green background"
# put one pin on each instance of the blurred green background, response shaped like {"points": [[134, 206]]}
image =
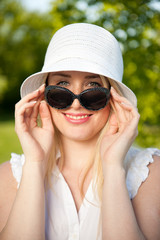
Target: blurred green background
{"points": [[25, 34]]}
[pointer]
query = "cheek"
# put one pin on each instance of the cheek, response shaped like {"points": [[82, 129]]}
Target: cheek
{"points": [[99, 120], [83, 131], [54, 114], [102, 117]]}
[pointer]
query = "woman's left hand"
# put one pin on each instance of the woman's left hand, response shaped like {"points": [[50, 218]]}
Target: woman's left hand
{"points": [[121, 132]]}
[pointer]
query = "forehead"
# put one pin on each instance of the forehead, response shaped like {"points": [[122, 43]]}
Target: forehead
{"points": [[83, 76], [71, 74]]}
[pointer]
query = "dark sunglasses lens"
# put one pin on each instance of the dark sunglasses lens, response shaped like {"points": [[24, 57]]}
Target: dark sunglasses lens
{"points": [[59, 98], [94, 100]]}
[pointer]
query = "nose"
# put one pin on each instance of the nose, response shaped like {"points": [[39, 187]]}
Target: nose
{"points": [[76, 104]]}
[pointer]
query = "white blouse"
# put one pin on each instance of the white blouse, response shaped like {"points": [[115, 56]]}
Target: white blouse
{"points": [[62, 220]]}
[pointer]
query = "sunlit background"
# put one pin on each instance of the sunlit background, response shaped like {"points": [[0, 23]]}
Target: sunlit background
{"points": [[26, 27]]}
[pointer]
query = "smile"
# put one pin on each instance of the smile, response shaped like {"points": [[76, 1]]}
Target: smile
{"points": [[77, 118]]}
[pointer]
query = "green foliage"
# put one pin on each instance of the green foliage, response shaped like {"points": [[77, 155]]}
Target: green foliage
{"points": [[24, 37], [8, 141], [23, 41], [137, 27]]}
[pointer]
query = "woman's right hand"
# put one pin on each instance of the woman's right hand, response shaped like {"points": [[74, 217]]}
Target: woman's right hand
{"points": [[36, 141]]}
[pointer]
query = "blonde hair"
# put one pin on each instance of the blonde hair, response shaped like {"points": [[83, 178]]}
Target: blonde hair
{"points": [[94, 161]]}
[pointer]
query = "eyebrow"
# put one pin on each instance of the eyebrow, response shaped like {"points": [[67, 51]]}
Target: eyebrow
{"points": [[61, 75], [69, 76], [92, 76]]}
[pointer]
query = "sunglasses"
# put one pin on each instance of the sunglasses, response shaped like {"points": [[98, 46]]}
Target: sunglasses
{"points": [[92, 99]]}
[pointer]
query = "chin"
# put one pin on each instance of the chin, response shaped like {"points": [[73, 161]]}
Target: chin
{"points": [[80, 135], [87, 131]]}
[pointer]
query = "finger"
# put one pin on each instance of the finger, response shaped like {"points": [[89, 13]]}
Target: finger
{"points": [[130, 116], [29, 111], [119, 98], [133, 111], [127, 114], [131, 127], [113, 124], [122, 113], [45, 116], [20, 113], [31, 96], [119, 111], [33, 113]]}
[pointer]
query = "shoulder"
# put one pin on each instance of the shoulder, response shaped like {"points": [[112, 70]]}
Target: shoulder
{"points": [[151, 186], [7, 179], [10, 177], [137, 164], [154, 168], [146, 203], [17, 161], [8, 189], [152, 183]]}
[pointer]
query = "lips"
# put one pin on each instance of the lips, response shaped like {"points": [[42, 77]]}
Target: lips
{"points": [[77, 118]]}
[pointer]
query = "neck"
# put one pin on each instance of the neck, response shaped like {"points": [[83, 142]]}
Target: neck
{"points": [[77, 153]]}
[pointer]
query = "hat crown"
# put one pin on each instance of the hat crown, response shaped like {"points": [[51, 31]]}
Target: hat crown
{"points": [[82, 47], [89, 45]]}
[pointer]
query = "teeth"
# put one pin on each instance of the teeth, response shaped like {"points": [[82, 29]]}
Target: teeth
{"points": [[78, 117]]}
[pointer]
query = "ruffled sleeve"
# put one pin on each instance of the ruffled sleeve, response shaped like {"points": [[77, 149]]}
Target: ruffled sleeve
{"points": [[17, 162], [136, 165]]}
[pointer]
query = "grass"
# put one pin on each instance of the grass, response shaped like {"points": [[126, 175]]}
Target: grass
{"points": [[9, 141]]}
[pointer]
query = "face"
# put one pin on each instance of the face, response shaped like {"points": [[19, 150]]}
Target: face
{"points": [[76, 122]]}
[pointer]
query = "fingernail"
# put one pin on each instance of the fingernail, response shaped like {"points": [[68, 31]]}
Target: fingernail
{"points": [[113, 89], [125, 104], [43, 101], [114, 92], [42, 85]]}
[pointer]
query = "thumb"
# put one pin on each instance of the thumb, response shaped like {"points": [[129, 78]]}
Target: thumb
{"points": [[45, 116], [113, 124]]}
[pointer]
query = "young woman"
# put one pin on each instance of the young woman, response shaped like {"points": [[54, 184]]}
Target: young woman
{"points": [[79, 177]]}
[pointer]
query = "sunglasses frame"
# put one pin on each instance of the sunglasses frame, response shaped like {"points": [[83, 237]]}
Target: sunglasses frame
{"points": [[78, 96]]}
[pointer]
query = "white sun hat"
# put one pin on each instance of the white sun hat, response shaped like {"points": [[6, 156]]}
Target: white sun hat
{"points": [[82, 47]]}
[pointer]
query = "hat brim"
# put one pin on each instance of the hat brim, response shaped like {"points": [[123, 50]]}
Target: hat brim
{"points": [[34, 81]]}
